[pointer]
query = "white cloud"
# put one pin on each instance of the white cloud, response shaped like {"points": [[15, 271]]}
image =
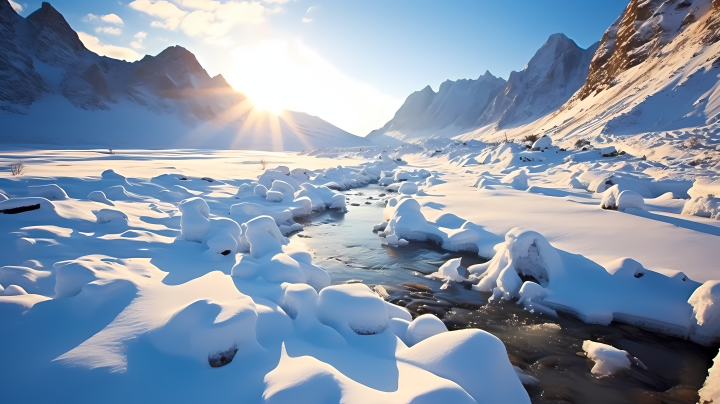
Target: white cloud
{"points": [[117, 52], [17, 7], [90, 18], [112, 19], [215, 25], [138, 43], [279, 74], [168, 12], [276, 1], [307, 20], [108, 18], [108, 30]]}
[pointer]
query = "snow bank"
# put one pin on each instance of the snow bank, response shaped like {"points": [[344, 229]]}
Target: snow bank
{"points": [[31, 280], [49, 191], [710, 392], [30, 204]]}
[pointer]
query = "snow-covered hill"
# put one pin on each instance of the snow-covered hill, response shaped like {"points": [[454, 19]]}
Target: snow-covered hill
{"points": [[650, 86], [55, 91], [552, 76]]}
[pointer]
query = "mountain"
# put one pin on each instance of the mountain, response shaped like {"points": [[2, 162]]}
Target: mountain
{"points": [[54, 91], [455, 107], [556, 71], [653, 81]]}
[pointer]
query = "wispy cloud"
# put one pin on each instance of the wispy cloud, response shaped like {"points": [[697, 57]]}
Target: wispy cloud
{"points": [[108, 30], [139, 38], [118, 52], [209, 19], [307, 19], [108, 18], [167, 12]]}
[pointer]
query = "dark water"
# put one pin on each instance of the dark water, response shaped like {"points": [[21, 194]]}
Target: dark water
{"points": [[544, 347]]}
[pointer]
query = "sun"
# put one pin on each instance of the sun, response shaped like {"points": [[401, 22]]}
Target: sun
{"points": [[267, 101]]}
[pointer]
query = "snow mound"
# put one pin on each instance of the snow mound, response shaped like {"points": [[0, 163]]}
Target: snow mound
{"points": [[455, 355], [408, 188], [352, 309], [704, 199], [195, 222], [705, 301], [422, 328], [21, 205], [517, 179], [532, 296], [31, 280], [99, 196], [542, 144], [525, 252], [108, 215], [450, 271], [52, 192], [608, 360]]}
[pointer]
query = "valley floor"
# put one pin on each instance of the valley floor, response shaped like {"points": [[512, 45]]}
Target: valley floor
{"points": [[186, 276]]}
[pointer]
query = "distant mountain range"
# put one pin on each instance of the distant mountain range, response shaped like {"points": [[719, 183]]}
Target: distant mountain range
{"points": [[55, 91], [654, 69]]}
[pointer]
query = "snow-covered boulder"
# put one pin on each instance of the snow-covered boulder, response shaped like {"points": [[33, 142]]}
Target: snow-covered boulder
{"points": [[108, 215], [261, 191], [532, 296], [52, 192], [99, 196], [195, 222], [30, 204], [705, 301], [332, 199], [625, 267], [352, 309], [542, 144], [524, 252], [274, 196], [408, 188], [422, 328], [244, 190], [607, 151], [269, 176], [450, 271], [455, 355], [630, 200], [608, 360], [704, 199], [517, 179]]}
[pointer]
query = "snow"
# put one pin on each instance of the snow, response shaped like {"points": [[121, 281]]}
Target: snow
{"points": [[608, 360], [422, 328], [198, 271], [99, 196], [543, 143], [49, 191]]}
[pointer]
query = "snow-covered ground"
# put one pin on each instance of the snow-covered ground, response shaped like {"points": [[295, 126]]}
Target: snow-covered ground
{"points": [[169, 272]]}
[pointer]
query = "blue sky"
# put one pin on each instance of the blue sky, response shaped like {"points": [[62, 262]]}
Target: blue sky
{"points": [[349, 62]]}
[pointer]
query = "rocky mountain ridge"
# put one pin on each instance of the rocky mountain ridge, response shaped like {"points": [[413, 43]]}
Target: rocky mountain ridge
{"points": [[50, 81]]}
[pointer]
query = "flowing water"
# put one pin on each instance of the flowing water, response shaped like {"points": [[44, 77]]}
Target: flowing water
{"points": [[547, 348]]}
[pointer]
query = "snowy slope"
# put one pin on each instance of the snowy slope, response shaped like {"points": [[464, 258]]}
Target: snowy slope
{"points": [[550, 78], [652, 85], [51, 82], [456, 106]]}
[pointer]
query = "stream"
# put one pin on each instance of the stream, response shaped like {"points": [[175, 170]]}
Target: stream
{"points": [[546, 348]]}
